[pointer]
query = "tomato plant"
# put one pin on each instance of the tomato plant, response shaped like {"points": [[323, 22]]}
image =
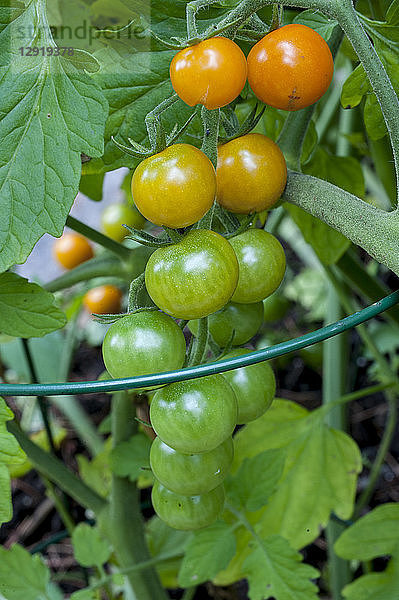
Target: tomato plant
{"points": [[261, 262], [242, 319], [72, 249], [290, 68], [212, 73], [194, 416], [187, 512], [175, 187], [103, 299], [141, 343], [167, 104], [193, 278], [191, 474], [115, 216], [251, 174]]}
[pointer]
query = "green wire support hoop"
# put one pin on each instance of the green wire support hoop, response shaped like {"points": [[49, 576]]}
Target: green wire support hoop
{"points": [[91, 387]]}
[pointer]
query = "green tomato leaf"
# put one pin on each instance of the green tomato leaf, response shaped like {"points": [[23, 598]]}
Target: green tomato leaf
{"points": [[309, 288], [89, 547], [208, 552], [256, 479], [317, 21], [50, 113], [164, 541], [375, 586], [274, 569], [375, 534], [10, 454], [319, 477], [96, 472], [92, 186], [354, 88], [128, 458], [85, 594], [23, 575], [26, 309]]}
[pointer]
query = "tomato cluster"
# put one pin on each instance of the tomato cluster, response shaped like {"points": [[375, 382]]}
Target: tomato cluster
{"points": [[199, 272]]}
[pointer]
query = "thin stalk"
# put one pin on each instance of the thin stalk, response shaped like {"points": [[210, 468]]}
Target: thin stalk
{"points": [[200, 344], [41, 400], [125, 524], [98, 238], [55, 470], [77, 417], [381, 153], [334, 377], [211, 124], [59, 505]]}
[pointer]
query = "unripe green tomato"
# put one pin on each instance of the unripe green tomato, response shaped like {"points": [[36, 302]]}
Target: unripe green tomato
{"points": [[244, 319], [142, 343], [117, 215], [191, 473], [194, 416], [193, 278], [187, 512], [261, 265], [255, 387], [274, 308]]}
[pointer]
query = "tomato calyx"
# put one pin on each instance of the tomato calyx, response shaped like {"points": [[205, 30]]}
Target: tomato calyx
{"points": [[232, 126]]}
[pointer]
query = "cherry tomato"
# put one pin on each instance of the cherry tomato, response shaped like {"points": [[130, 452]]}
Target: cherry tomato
{"points": [[117, 215], [255, 387], [244, 319], [176, 187], [290, 68], [261, 261], [251, 174], [194, 416], [72, 249], [274, 308], [190, 473], [103, 299], [187, 512], [212, 73], [142, 343], [193, 278]]}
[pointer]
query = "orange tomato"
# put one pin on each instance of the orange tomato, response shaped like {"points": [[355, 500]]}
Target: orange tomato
{"points": [[72, 249], [290, 68], [251, 174], [103, 300], [212, 73]]}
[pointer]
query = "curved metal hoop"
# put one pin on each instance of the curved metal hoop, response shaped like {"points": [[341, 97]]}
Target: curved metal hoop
{"points": [[90, 387]]}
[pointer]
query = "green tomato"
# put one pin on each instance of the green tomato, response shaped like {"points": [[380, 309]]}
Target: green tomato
{"points": [[275, 307], [261, 261], [194, 416], [255, 387], [190, 473], [187, 512], [244, 319], [117, 215], [193, 278], [142, 343]]}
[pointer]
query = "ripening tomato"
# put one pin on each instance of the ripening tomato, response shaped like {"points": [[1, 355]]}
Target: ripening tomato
{"points": [[244, 319], [72, 249], [103, 299], [261, 262], [115, 216], [193, 278], [290, 68], [187, 512], [251, 174], [175, 187], [212, 73], [142, 343], [254, 386], [194, 416], [190, 473]]}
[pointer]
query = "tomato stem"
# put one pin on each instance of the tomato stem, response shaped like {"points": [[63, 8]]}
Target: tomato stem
{"points": [[199, 346], [98, 238], [211, 124]]}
